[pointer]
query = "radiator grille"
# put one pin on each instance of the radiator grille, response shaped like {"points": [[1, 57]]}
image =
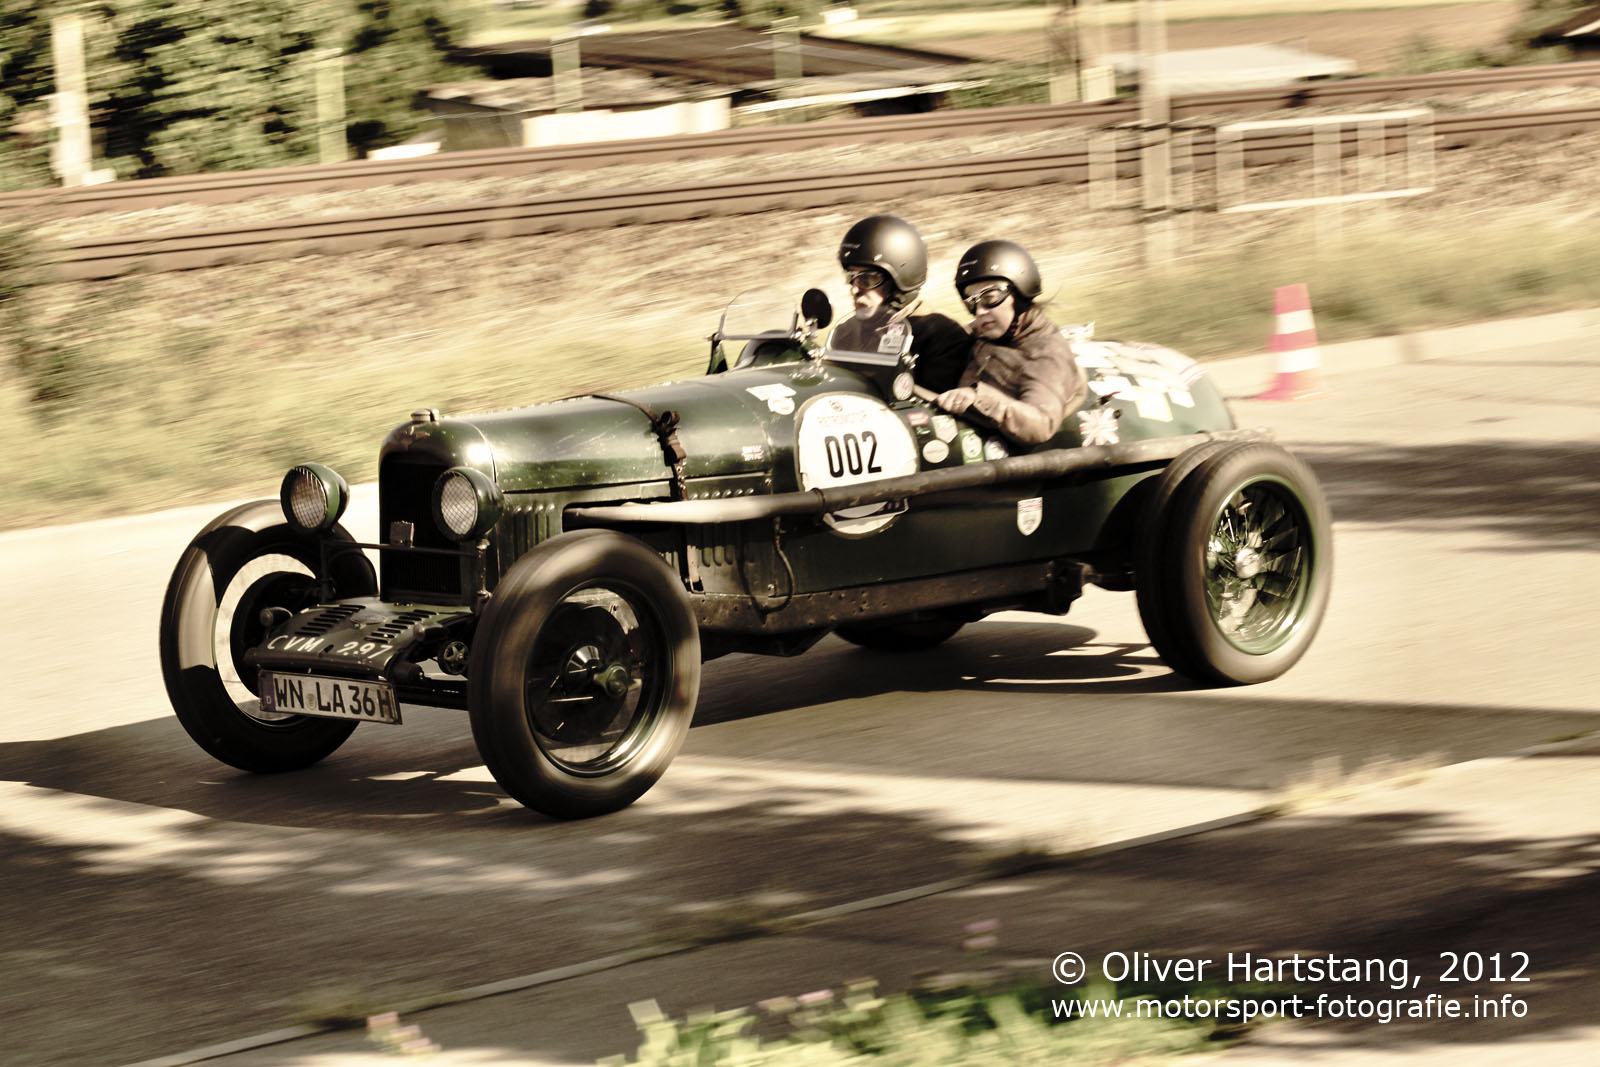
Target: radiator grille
{"points": [[405, 494]]}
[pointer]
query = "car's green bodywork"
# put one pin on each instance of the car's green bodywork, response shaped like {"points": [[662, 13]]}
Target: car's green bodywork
{"points": [[770, 584]]}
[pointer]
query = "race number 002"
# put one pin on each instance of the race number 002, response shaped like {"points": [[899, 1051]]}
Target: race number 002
{"points": [[845, 454]]}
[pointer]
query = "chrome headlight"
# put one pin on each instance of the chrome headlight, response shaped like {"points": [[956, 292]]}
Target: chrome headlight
{"points": [[466, 503], [313, 497]]}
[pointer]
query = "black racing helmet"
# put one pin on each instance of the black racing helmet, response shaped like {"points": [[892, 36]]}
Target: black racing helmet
{"points": [[1005, 260], [893, 245]]}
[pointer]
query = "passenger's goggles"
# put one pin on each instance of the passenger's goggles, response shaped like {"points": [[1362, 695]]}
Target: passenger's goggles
{"points": [[866, 278], [989, 297]]}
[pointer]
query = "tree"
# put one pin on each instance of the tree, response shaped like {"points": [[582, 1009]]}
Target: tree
{"points": [[183, 86], [396, 49]]}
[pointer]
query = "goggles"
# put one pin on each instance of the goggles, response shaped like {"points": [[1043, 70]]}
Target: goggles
{"points": [[866, 278], [990, 297]]}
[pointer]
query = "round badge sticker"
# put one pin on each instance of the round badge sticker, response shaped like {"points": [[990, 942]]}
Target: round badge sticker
{"points": [[848, 439], [936, 451], [994, 448]]}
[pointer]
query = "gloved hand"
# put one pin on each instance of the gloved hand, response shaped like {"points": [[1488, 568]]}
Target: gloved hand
{"points": [[957, 400]]}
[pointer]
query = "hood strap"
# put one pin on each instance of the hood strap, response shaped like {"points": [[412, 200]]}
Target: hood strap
{"points": [[665, 427]]}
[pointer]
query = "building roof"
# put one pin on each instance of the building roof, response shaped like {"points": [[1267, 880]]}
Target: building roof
{"points": [[724, 55], [1585, 23], [1243, 66], [601, 89]]}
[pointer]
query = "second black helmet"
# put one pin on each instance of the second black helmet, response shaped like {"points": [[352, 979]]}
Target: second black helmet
{"points": [[891, 244], [1005, 260]]}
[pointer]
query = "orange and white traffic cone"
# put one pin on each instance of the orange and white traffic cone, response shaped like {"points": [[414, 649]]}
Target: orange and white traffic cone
{"points": [[1296, 360]]}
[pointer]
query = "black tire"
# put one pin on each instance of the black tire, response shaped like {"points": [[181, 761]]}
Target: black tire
{"points": [[211, 615], [901, 635], [584, 674], [1234, 589], [1155, 534]]}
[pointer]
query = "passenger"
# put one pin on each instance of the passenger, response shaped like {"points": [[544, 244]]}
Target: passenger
{"points": [[885, 264], [1021, 374]]}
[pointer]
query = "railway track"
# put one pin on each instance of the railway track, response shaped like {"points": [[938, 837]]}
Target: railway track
{"points": [[416, 227], [460, 166]]}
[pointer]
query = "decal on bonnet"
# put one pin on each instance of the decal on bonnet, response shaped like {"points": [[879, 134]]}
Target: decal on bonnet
{"points": [[1150, 377], [779, 397], [1098, 426]]}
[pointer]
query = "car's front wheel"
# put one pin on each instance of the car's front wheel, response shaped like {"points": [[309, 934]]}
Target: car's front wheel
{"points": [[1238, 563], [246, 561], [584, 674]]}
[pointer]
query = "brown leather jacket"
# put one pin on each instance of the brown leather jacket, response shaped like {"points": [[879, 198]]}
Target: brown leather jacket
{"points": [[1029, 384]]}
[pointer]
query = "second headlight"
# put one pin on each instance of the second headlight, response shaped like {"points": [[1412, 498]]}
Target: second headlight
{"points": [[466, 503], [313, 497]]}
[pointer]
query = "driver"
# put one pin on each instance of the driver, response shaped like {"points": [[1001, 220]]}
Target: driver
{"points": [[1021, 375], [885, 264]]}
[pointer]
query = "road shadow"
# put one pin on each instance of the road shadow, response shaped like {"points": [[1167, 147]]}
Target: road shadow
{"points": [[238, 903], [1544, 495], [1399, 891], [994, 657]]}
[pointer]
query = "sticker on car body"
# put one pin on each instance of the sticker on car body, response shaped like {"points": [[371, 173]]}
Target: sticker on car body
{"points": [[778, 397], [1030, 513], [848, 439], [1150, 377], [1098, 426]]}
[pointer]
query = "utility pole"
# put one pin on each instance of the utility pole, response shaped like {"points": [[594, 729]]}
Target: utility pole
{"points": [[566, 71], [785, 33], [69, 105], [332, 147], [1155, 121]]}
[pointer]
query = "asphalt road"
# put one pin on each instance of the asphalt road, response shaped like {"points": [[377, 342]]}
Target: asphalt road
{"points": [[152, 900]]}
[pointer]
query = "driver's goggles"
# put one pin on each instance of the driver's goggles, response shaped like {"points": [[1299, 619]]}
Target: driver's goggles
{"points": [[866, 278], [991, 297]]}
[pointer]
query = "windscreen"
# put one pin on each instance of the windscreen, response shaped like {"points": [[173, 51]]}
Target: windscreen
{"points": [[758, 313], [879, 339]]}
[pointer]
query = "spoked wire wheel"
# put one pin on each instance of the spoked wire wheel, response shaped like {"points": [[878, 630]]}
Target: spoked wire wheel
{"points": [[1258, 565], [1235, 563]]}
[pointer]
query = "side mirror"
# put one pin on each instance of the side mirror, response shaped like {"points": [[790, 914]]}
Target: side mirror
{"points": [[815, 307]]}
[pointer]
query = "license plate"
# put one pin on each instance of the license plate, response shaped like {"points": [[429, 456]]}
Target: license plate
{"points": [[333, 698]]}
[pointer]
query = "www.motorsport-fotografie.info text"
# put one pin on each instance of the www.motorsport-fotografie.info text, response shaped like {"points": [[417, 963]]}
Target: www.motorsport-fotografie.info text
{"points": [[1398, 975]]}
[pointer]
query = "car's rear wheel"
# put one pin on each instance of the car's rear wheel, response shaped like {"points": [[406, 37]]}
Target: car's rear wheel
{"points": [[244, 562], [1155, 536], [584, 674], [900, 635], [1234, 580]]}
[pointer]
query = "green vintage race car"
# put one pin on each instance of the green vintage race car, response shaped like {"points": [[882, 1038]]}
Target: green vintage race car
{"points": [[561, 571]]}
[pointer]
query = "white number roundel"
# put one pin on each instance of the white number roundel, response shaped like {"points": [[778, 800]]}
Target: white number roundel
{"points": [[849, 438]]}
